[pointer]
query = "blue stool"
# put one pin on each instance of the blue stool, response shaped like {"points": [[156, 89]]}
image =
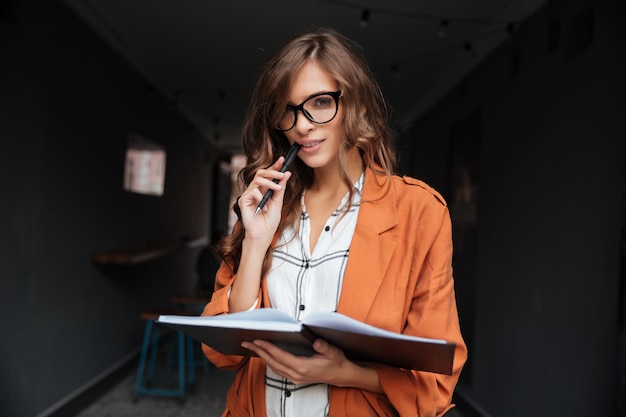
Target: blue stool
{"points": [[193, 304], [149, 350]]}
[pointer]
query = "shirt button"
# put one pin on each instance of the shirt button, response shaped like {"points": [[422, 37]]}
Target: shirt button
{"points": [[301, 307], [327, 228], [306, 265], [287, 393]]}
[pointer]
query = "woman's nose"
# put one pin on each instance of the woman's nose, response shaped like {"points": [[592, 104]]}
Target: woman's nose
{"points": [[303, 124]]}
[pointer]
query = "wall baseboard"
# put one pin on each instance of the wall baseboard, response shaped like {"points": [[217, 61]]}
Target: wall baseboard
{"points": [[85, 395]]}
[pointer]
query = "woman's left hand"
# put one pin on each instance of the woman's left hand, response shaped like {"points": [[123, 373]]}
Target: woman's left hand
{"points": [[329, 365]]}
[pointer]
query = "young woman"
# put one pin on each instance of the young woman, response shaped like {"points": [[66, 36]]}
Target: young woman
{"points": [[340, 233]]}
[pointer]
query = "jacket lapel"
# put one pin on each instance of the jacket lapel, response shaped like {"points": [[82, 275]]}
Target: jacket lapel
{"points": [[371, 248]]}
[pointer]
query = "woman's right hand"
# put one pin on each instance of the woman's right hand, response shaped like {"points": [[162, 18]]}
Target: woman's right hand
{"points": [[260, 229]]}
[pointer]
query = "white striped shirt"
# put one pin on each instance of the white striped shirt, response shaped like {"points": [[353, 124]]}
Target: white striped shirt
{"points": [[301, 282]]}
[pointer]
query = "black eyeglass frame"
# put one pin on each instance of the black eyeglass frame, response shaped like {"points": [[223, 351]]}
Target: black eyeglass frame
{"points": [[334, 94]]}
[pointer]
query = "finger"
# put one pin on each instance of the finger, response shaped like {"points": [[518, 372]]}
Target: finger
{"points": [[251, 346], [321, 346], [273, 171], [250, 198], [259, 346], [273, 183], [280, 193], [280, 361], [267, 175], [262, 349], [277, 197], [328, 351], [279, 163], [271, 349], [263, 180]]}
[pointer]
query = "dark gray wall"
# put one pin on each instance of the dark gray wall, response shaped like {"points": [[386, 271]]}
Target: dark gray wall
{"points": [[544, 298], [544, 301], [67, 105]]}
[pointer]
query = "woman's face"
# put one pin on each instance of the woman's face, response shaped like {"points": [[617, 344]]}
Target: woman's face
{"points": [[320, 142]]}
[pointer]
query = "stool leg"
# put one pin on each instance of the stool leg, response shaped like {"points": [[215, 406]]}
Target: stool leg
{"points": [[154, 349], [171, 356], [142, 358], [181, 365], [191, 361]]}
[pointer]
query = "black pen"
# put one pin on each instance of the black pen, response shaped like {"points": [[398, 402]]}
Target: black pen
{"points": [[291, 155]]}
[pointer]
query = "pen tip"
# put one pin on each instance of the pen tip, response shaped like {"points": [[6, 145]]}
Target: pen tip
{"points": [[258, 209]]}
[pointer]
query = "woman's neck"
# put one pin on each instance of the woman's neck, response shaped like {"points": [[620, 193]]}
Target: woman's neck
{"points": [[327, 191], [328, 181]]}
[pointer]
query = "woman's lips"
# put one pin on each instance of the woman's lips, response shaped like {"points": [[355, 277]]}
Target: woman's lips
{"points": [[310, 146]]}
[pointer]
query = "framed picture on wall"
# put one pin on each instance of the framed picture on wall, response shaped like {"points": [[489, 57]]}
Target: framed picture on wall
{"points": [[144, 168]]}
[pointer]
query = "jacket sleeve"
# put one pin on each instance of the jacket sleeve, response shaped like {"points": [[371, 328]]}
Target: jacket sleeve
{"points": [[219, 305], [224, 279], [433, 313]]}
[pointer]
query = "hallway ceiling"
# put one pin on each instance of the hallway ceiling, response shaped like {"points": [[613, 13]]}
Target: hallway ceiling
{"points": [[205, 55]]}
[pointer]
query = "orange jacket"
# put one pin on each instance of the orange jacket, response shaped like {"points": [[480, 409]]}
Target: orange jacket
{"points": [[399, 278]]}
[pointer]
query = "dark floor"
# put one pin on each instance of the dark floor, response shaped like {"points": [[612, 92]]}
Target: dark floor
{"points": [[206, 398]]}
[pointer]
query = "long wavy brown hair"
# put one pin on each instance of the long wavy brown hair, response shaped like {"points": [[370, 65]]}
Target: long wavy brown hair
{"points": [[365, 122]]}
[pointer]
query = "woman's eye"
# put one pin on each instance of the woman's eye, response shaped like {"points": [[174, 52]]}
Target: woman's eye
{"points": [[322, 102]]}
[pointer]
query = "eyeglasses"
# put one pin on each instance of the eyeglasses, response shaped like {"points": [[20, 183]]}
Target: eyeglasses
{"points": [[320, 108]]}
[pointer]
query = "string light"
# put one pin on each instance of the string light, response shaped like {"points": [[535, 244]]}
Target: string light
{"points": [[365, 17], [395, 70], [506, 27], [469, 47], [175, 101], [510, 27], [443, 28], [444, 21]]}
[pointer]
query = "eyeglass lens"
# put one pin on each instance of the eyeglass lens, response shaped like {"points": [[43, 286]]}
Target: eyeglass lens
{"points": [[319, 109]]}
